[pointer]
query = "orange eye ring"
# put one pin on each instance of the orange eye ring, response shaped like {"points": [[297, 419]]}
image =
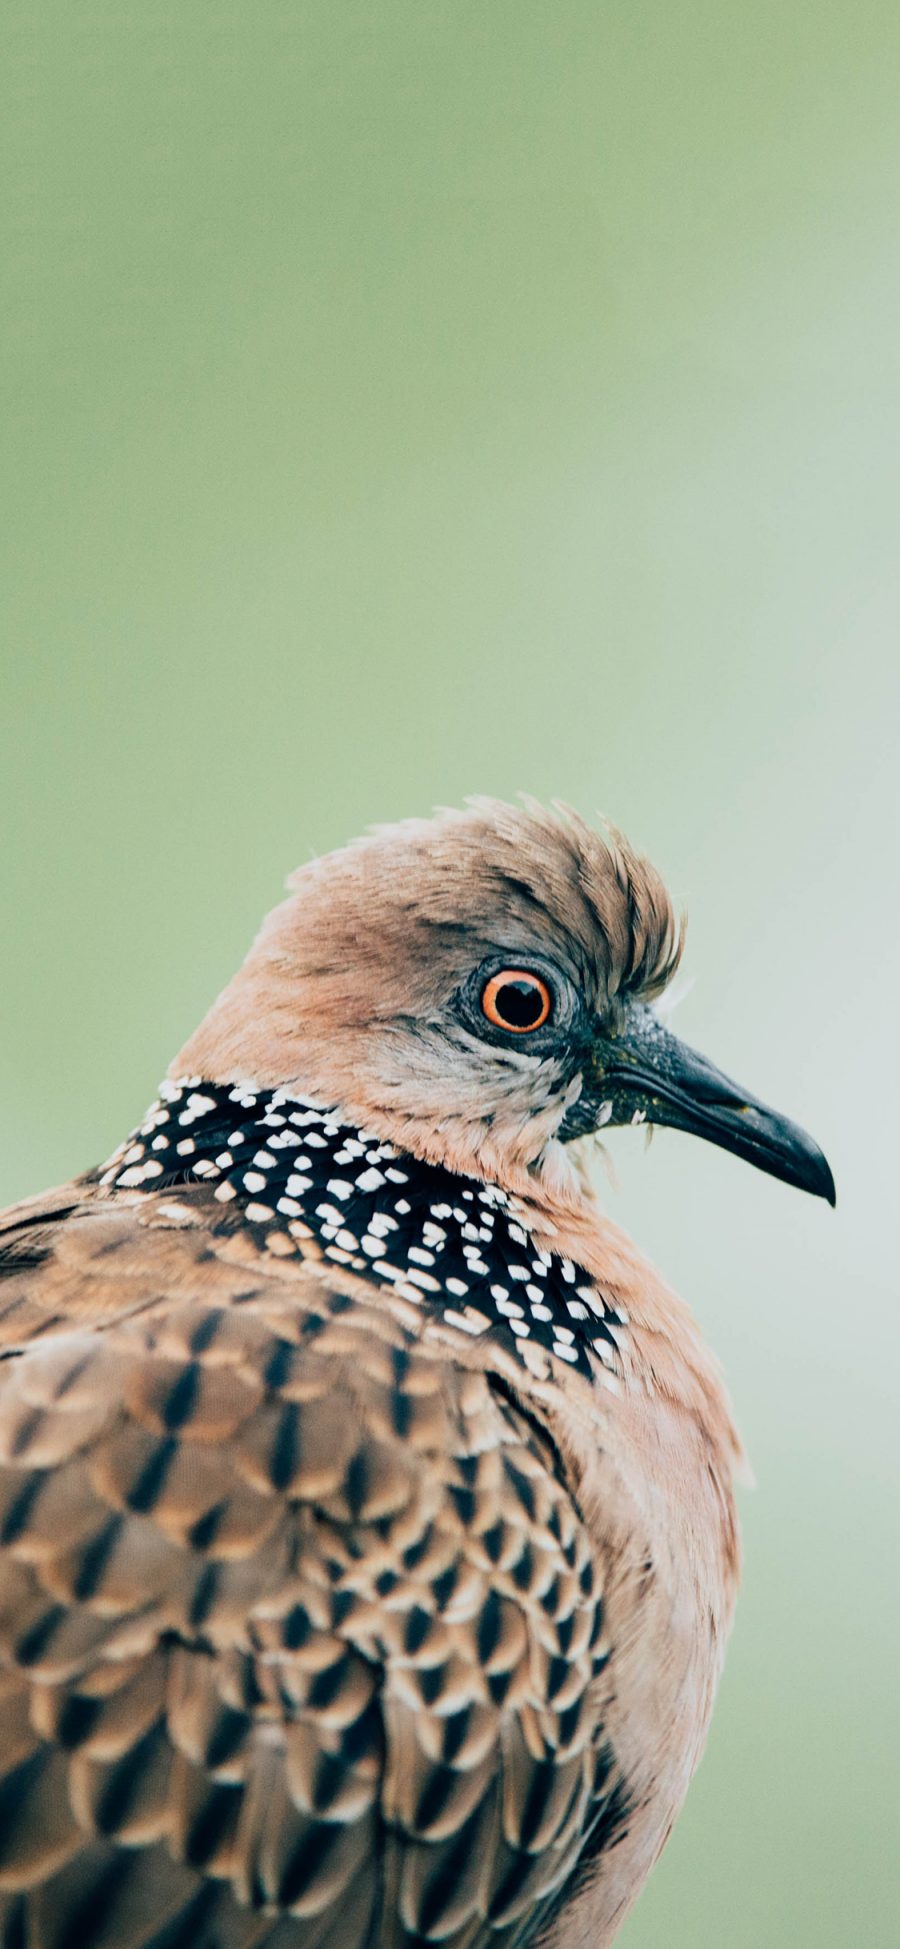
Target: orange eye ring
{"points": [[517, 1000]]}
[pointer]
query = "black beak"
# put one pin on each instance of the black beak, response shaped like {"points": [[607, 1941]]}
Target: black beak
{"points": [[643, 1074]]}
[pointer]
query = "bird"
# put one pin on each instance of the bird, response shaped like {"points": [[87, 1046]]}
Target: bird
{"points": [[368, 1542]]}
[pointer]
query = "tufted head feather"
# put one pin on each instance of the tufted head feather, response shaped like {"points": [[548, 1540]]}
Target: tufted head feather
{"points": [[362, 988]]}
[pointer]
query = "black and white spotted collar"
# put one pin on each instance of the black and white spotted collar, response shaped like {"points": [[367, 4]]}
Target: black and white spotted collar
{"points": [[457, 1247]]}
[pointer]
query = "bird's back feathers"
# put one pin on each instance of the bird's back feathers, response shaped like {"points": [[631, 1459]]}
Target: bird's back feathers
{"points": [[283, 1594]]}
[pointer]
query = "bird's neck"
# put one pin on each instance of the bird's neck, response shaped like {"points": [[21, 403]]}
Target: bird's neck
{"points": [[541, 1271], [461, 1249]]}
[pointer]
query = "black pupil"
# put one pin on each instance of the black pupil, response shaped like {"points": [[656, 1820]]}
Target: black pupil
{"points": [[519, 1003]]}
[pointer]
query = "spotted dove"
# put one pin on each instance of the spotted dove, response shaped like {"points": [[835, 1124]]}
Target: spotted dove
{"points": [[367, 1536]]}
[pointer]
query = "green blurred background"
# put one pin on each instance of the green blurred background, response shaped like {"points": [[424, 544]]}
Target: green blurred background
{"points": [[406, 401]]}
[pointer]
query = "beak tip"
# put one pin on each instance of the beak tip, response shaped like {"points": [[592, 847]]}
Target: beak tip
{"points": [[815, 1175]]}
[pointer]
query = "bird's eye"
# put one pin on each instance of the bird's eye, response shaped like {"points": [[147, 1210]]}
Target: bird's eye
{"points": [[516, 999]]}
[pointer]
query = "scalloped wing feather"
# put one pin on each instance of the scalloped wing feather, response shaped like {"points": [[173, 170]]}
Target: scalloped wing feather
{"points": [[300, 1627]]}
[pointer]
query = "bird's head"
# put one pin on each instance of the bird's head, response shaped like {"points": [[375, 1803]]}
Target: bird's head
{"points": [[478, 987]]}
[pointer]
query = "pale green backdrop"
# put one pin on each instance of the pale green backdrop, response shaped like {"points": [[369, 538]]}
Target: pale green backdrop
{"points": [[411, 400]]}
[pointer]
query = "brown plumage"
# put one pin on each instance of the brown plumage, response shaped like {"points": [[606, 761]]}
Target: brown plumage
{"points": [[367, 1542]]}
